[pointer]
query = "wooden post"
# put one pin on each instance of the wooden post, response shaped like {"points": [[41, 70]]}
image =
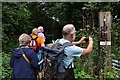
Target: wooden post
{"points": [[105, 43]]}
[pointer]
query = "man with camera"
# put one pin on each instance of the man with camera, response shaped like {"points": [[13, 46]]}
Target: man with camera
{"points": [[69, 35]]}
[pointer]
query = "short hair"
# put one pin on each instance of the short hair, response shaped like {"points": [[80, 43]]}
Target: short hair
{"points": [[68, 29], [24, 39], [35, 31], [40, 27]]}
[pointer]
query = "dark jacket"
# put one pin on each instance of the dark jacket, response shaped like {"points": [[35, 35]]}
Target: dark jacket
{"points": [[20, 68]]}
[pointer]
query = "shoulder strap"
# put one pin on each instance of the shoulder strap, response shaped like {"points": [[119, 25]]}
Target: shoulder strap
{"points": [[67, 44], [24, 56], [36, 37], [33, 38]]}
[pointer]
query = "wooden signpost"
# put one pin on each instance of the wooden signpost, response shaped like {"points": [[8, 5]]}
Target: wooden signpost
{"points": [[105, 43]]}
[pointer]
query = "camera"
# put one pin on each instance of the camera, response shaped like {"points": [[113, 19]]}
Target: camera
{"points": [[86, 39]]}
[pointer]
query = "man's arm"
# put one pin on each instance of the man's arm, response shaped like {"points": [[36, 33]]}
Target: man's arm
{"points": [[89, 47], [82, 40]]}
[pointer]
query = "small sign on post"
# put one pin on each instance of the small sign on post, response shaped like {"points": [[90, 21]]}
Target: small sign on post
{"points": [[105, 41], [105, 25]]}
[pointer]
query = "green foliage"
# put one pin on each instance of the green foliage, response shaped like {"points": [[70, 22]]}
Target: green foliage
{"points": [[15, 22], [81, 74], [86, 64], [116, 40], [15, 18], [6, 70], [112, 74]]}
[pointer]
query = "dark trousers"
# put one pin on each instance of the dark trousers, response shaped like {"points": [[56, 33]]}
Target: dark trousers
{"points": [[67, 75]]}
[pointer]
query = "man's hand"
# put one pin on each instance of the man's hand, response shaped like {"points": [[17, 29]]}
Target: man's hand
{"points": [[81, 41], [90, 39], [89, 47]]}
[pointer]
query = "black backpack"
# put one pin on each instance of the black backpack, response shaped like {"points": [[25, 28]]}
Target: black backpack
{"points": [[48, 39], [53, 59]]}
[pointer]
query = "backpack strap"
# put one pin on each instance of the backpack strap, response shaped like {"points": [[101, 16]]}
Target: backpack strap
{"points": [[27, 60], [66, 44], [24, 56], [33, 38]]}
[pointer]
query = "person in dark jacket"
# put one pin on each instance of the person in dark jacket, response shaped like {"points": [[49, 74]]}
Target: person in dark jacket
{"points": [[21, 69]]}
